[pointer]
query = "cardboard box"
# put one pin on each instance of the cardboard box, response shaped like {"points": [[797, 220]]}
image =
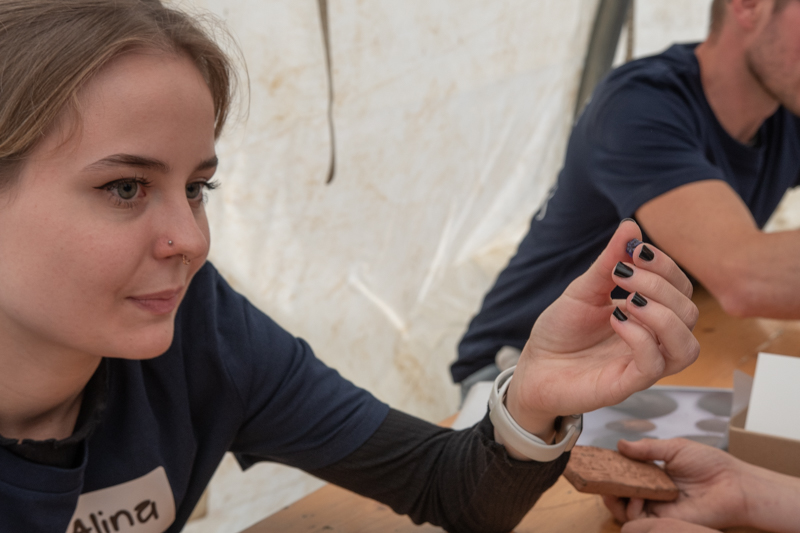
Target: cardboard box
{"points": [[774, 453]]}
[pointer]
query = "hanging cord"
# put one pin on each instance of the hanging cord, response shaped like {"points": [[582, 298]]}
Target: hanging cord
{"points": [[323, 17]]}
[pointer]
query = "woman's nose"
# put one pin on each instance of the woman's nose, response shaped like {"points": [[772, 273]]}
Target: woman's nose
{"points": [[183, 232]]}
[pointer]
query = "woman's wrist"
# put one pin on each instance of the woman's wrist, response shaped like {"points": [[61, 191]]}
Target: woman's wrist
{"points": [[770, 500], [532, 420], [518, 455], [525, 433]]}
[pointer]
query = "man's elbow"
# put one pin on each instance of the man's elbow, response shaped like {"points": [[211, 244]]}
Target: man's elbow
{"points": [[739, 298]]}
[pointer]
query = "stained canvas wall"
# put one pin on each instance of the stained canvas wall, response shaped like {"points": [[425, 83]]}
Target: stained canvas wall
{"points": [[451, 118]]}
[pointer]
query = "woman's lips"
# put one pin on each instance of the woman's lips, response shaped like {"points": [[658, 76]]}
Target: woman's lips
{"points": [[158, 303]]}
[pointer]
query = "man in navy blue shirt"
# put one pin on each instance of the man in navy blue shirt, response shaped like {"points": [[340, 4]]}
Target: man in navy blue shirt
{"points": [[698, 144]]}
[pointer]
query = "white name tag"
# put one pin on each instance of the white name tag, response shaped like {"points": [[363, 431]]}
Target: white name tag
{"points": [[144, 505]]}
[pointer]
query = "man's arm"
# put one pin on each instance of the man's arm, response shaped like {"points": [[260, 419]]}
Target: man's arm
{"points": [[706, 228]]}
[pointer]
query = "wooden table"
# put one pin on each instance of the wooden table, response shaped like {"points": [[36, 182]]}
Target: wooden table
{"points": [[727, 344]]}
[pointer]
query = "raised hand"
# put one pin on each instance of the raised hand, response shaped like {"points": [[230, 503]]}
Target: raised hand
{"points": [[581, 357]]}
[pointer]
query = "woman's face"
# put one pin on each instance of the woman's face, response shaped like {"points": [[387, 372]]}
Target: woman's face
{"points": [[86, 263]]}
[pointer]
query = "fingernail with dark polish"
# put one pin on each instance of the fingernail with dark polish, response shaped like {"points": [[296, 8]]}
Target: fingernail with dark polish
{"points": [[646, 254], [623, 271], [632, 246], [619, 315], [638, 300], [624, 219]]}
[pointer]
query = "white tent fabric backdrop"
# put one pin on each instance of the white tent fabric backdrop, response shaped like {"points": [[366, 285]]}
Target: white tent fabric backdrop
{"points": [[451, 118], [450, 121]]}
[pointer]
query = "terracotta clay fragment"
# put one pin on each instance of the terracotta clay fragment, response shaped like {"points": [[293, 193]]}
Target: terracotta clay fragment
{"points": [[601, 471]]}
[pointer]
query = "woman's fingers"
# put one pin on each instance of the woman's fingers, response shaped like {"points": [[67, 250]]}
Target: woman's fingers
{"points": [[667, 313], [652, 286], [625, 509], [596, 283], [652, 449], [617, 506], [663, 525], [651, 258], [648, 363], [657, 328], [680, 345], [635, 509]]}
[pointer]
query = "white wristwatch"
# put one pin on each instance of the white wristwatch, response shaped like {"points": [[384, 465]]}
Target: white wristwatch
{"points": [[526, 443]]}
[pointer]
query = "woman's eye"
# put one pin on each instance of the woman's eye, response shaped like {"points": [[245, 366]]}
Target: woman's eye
{"points": [[194, 190], [127, 190]]}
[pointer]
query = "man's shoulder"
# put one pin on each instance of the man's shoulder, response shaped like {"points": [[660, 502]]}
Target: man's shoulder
{"points": [[669, 82], [649, 94], [677, 65]]}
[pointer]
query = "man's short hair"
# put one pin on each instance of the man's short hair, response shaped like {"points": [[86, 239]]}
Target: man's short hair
{"points": [[718, 12]]}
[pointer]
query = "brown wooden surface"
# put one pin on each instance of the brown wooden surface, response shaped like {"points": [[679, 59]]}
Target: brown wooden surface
{"points": [[727, 344]]}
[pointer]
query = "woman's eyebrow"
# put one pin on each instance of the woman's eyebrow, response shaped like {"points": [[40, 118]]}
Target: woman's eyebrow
{"points": [[211, 162], [129, 160]]}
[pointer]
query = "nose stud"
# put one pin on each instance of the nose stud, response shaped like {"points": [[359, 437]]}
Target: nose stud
{"points": [[185, 259]]}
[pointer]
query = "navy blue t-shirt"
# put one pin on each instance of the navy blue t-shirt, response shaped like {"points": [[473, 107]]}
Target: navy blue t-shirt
{"points": [[232, 380], [647, 130]]}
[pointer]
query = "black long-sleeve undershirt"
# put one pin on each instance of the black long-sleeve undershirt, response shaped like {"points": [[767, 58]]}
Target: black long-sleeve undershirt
{"points": [[462, 481]]}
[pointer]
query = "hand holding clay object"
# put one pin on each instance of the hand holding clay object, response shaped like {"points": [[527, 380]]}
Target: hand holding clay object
{"points": [[716, 490], [601, 471]]}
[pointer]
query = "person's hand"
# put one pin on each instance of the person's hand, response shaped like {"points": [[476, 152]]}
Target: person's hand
{"points": [[710, 483], [581, 357], [664, 525]]}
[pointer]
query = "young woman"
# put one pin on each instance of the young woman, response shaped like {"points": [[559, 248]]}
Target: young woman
{"points": [[129, 366]]}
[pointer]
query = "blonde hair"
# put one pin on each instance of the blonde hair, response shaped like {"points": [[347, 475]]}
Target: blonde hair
{"points": [[51, 48]]}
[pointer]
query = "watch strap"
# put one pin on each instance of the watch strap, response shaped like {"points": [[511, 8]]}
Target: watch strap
{"points": [[522, 441]]}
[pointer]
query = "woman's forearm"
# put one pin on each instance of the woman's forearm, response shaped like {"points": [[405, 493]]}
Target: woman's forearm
{"points": [[772, 501], [460, 480]]}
